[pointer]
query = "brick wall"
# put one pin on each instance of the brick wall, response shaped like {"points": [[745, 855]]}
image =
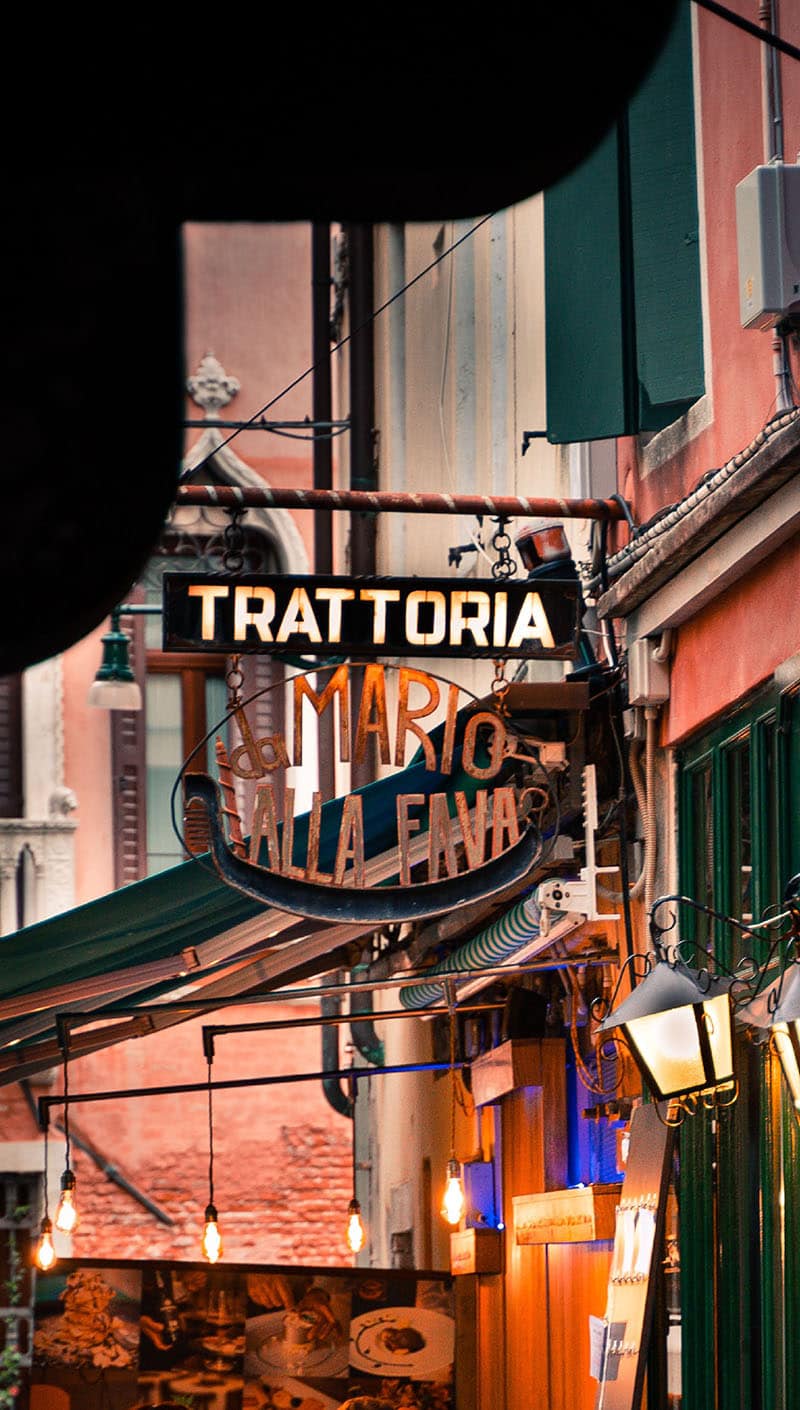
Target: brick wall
{"points": [[282, 1155]]}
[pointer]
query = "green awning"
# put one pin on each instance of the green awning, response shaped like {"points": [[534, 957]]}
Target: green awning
{"points": [[145, 941]]}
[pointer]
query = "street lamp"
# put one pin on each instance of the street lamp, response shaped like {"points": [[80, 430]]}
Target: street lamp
{"points": [[115, 687], [677, 1024], [678, 1020]]}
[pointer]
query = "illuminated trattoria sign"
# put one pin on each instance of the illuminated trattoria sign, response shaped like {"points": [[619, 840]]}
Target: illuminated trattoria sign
{"points": [[371, 617]]}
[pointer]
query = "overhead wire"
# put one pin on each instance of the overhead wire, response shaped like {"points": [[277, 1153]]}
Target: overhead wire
{"points": [[765, 35], [193, 469]]}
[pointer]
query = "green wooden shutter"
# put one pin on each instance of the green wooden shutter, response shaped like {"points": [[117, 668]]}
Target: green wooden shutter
{"points": [[588, 374], [664, 235], [623, 324]]}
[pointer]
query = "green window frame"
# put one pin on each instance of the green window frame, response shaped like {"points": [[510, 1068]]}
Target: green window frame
{"points": [[739, 843]]}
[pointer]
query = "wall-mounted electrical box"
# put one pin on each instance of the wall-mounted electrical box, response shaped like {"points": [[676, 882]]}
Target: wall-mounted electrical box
{"points": [[768, 240], [648, 678]]}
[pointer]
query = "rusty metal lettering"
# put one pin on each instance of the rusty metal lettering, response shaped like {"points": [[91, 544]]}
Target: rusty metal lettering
{"points": [[440, 840], [367, 905], [497, 746], [406, 718], [372, 715], [252, 749], [505, 823], [474, 840], [351, 842], [265, 824], [314, 828], [449, 736], [287, 838], [405, 826], [338, 685]]}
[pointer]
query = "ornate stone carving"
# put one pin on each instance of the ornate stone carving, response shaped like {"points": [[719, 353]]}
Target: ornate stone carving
{"points": [[63, 801], [211, 387]]}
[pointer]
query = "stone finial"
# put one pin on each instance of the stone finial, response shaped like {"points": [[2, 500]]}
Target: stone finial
{"points": [[62, 802], [211, 387]]}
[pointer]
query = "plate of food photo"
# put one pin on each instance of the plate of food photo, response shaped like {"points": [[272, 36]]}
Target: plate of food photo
{"points": [[402, 1341]]}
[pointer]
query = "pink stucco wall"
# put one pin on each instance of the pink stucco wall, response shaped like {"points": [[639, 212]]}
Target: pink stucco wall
{"points": [[737, 642], [739, 376]]}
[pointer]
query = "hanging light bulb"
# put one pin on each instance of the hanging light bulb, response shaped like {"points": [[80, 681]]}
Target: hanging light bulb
{"points": [[45, 1255], [454, 1202], [356, 1233], [66, 1213], [211, 1242], [212, 1239]]}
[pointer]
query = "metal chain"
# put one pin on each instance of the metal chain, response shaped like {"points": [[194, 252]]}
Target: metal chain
{"points": [[234, 680], [505, 566], [232, 554], [500, 685]]}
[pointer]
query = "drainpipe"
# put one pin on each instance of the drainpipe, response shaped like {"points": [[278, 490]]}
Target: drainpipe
{"points": [[772, 117], [330, 1005], [102, 1162], [363, 471], [363, 1032], [322, 411]]}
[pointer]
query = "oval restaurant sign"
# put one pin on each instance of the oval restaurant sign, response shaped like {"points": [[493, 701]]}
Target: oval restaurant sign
{"points": [[451, 815]]}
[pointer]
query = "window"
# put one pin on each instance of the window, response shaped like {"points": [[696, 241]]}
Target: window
{"points": [[622, 270], [184, 696], [739, 1196], [20, 1198], [11, 746]]}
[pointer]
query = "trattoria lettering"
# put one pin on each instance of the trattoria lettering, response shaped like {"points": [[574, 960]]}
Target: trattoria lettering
{"points": [[369, 617]]}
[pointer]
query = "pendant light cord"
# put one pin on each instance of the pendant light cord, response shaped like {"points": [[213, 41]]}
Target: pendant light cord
{"points": [[450, 1006], [46, 1211], [210, 1141], [353, 1117], [66, 1108]]}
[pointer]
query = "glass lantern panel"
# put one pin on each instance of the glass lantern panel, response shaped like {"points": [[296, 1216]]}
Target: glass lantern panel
{"points": [[669, 1045], [717, 1014], [788, 1054]]}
